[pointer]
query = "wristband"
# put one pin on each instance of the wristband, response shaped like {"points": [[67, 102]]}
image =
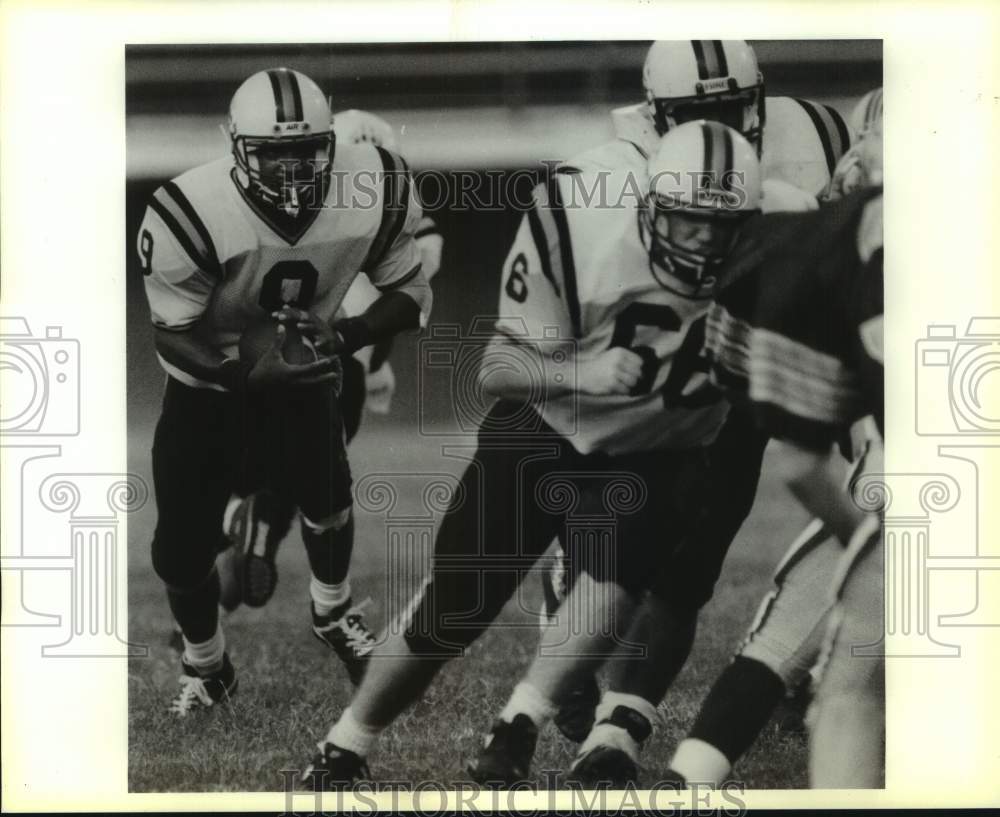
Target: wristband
{"points": [[233, 374], [354, 332]]}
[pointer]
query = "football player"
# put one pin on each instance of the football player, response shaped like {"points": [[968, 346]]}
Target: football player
{"points": [[800, 146], [259, 235], [605, 305], [808, 380], [785, 639], [258, 523]]}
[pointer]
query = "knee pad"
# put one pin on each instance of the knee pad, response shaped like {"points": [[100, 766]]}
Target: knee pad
{"points": [[334, 522]]}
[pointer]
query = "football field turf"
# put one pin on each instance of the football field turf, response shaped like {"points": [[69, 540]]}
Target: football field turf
{"points": [[292, 689]]}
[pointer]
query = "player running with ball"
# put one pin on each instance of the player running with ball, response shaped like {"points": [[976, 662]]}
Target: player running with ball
{"points": [[224, 247]]}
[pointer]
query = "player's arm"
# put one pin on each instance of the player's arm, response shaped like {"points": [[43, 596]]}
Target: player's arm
{"points": [[533, 355], [815, 478], [179, 281], [394, 267]]}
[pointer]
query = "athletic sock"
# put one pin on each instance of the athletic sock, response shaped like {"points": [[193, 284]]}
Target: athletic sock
{"points": [[206, 656], [350, 734], [327, 597], [527, 700], [737, 707], [700, 763]]}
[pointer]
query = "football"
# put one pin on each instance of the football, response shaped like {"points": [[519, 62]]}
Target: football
{"points": [[258, 337]]}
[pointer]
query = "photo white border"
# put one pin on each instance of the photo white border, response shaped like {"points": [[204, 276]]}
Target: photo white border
{"points": [[64, 738]]}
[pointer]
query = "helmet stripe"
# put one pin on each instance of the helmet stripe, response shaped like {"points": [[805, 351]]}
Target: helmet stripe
{"points": [[725, 180], [699, 55], [296, 97], [287, 96], [873, 110], [708, 146], [720, 56], [279, 99]]}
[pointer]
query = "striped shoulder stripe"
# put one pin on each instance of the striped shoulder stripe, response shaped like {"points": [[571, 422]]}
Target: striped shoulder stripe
{"points": [[287, 96], [555, 243], [710, 56], [396, 184], [830, 128], [539, 236], [180, 217]]}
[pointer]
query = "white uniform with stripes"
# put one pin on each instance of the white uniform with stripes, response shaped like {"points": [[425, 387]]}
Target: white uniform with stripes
{"points": [[803, 141], [210, 254], [582, 272]]}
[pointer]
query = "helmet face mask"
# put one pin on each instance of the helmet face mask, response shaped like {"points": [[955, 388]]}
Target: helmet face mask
{"points": [[741, 110], [285, 173], [688, 244]]}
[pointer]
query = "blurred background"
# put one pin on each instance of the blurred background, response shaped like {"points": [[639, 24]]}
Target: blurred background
{"points": [[498, 108]]}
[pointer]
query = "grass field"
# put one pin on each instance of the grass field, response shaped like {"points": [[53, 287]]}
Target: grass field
{"points": [[291, 690]]}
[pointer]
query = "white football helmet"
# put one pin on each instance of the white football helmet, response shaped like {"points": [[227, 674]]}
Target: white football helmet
{"points": [[279, 115], [354, 126], [704, 183], [861, 166], [718, 80], [866, 112]]}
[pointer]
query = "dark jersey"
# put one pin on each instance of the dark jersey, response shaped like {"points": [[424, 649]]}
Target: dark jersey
{"points": [[797, 325]]}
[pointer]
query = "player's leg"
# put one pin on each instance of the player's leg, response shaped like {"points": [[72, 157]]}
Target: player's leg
{"points": [[780, 649], [615, 563], [716, 496], [194, 448], [587, 627], [847, 740], [575, 717], [316, 474], [488, 539]]}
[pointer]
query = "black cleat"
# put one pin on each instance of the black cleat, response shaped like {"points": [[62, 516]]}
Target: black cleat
{"points": [[334, 769], [344, 631], [575, 717], [604, 767], [506, 757], [256, 529], [203, 691]]}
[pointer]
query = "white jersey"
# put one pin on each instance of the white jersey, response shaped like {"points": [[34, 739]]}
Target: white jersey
{"points": [[803, 141], [583, 273], [212, 256]]}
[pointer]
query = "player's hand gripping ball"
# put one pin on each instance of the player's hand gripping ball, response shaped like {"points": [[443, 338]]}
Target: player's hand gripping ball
{"points": [[260, 336], [283, 357]]}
